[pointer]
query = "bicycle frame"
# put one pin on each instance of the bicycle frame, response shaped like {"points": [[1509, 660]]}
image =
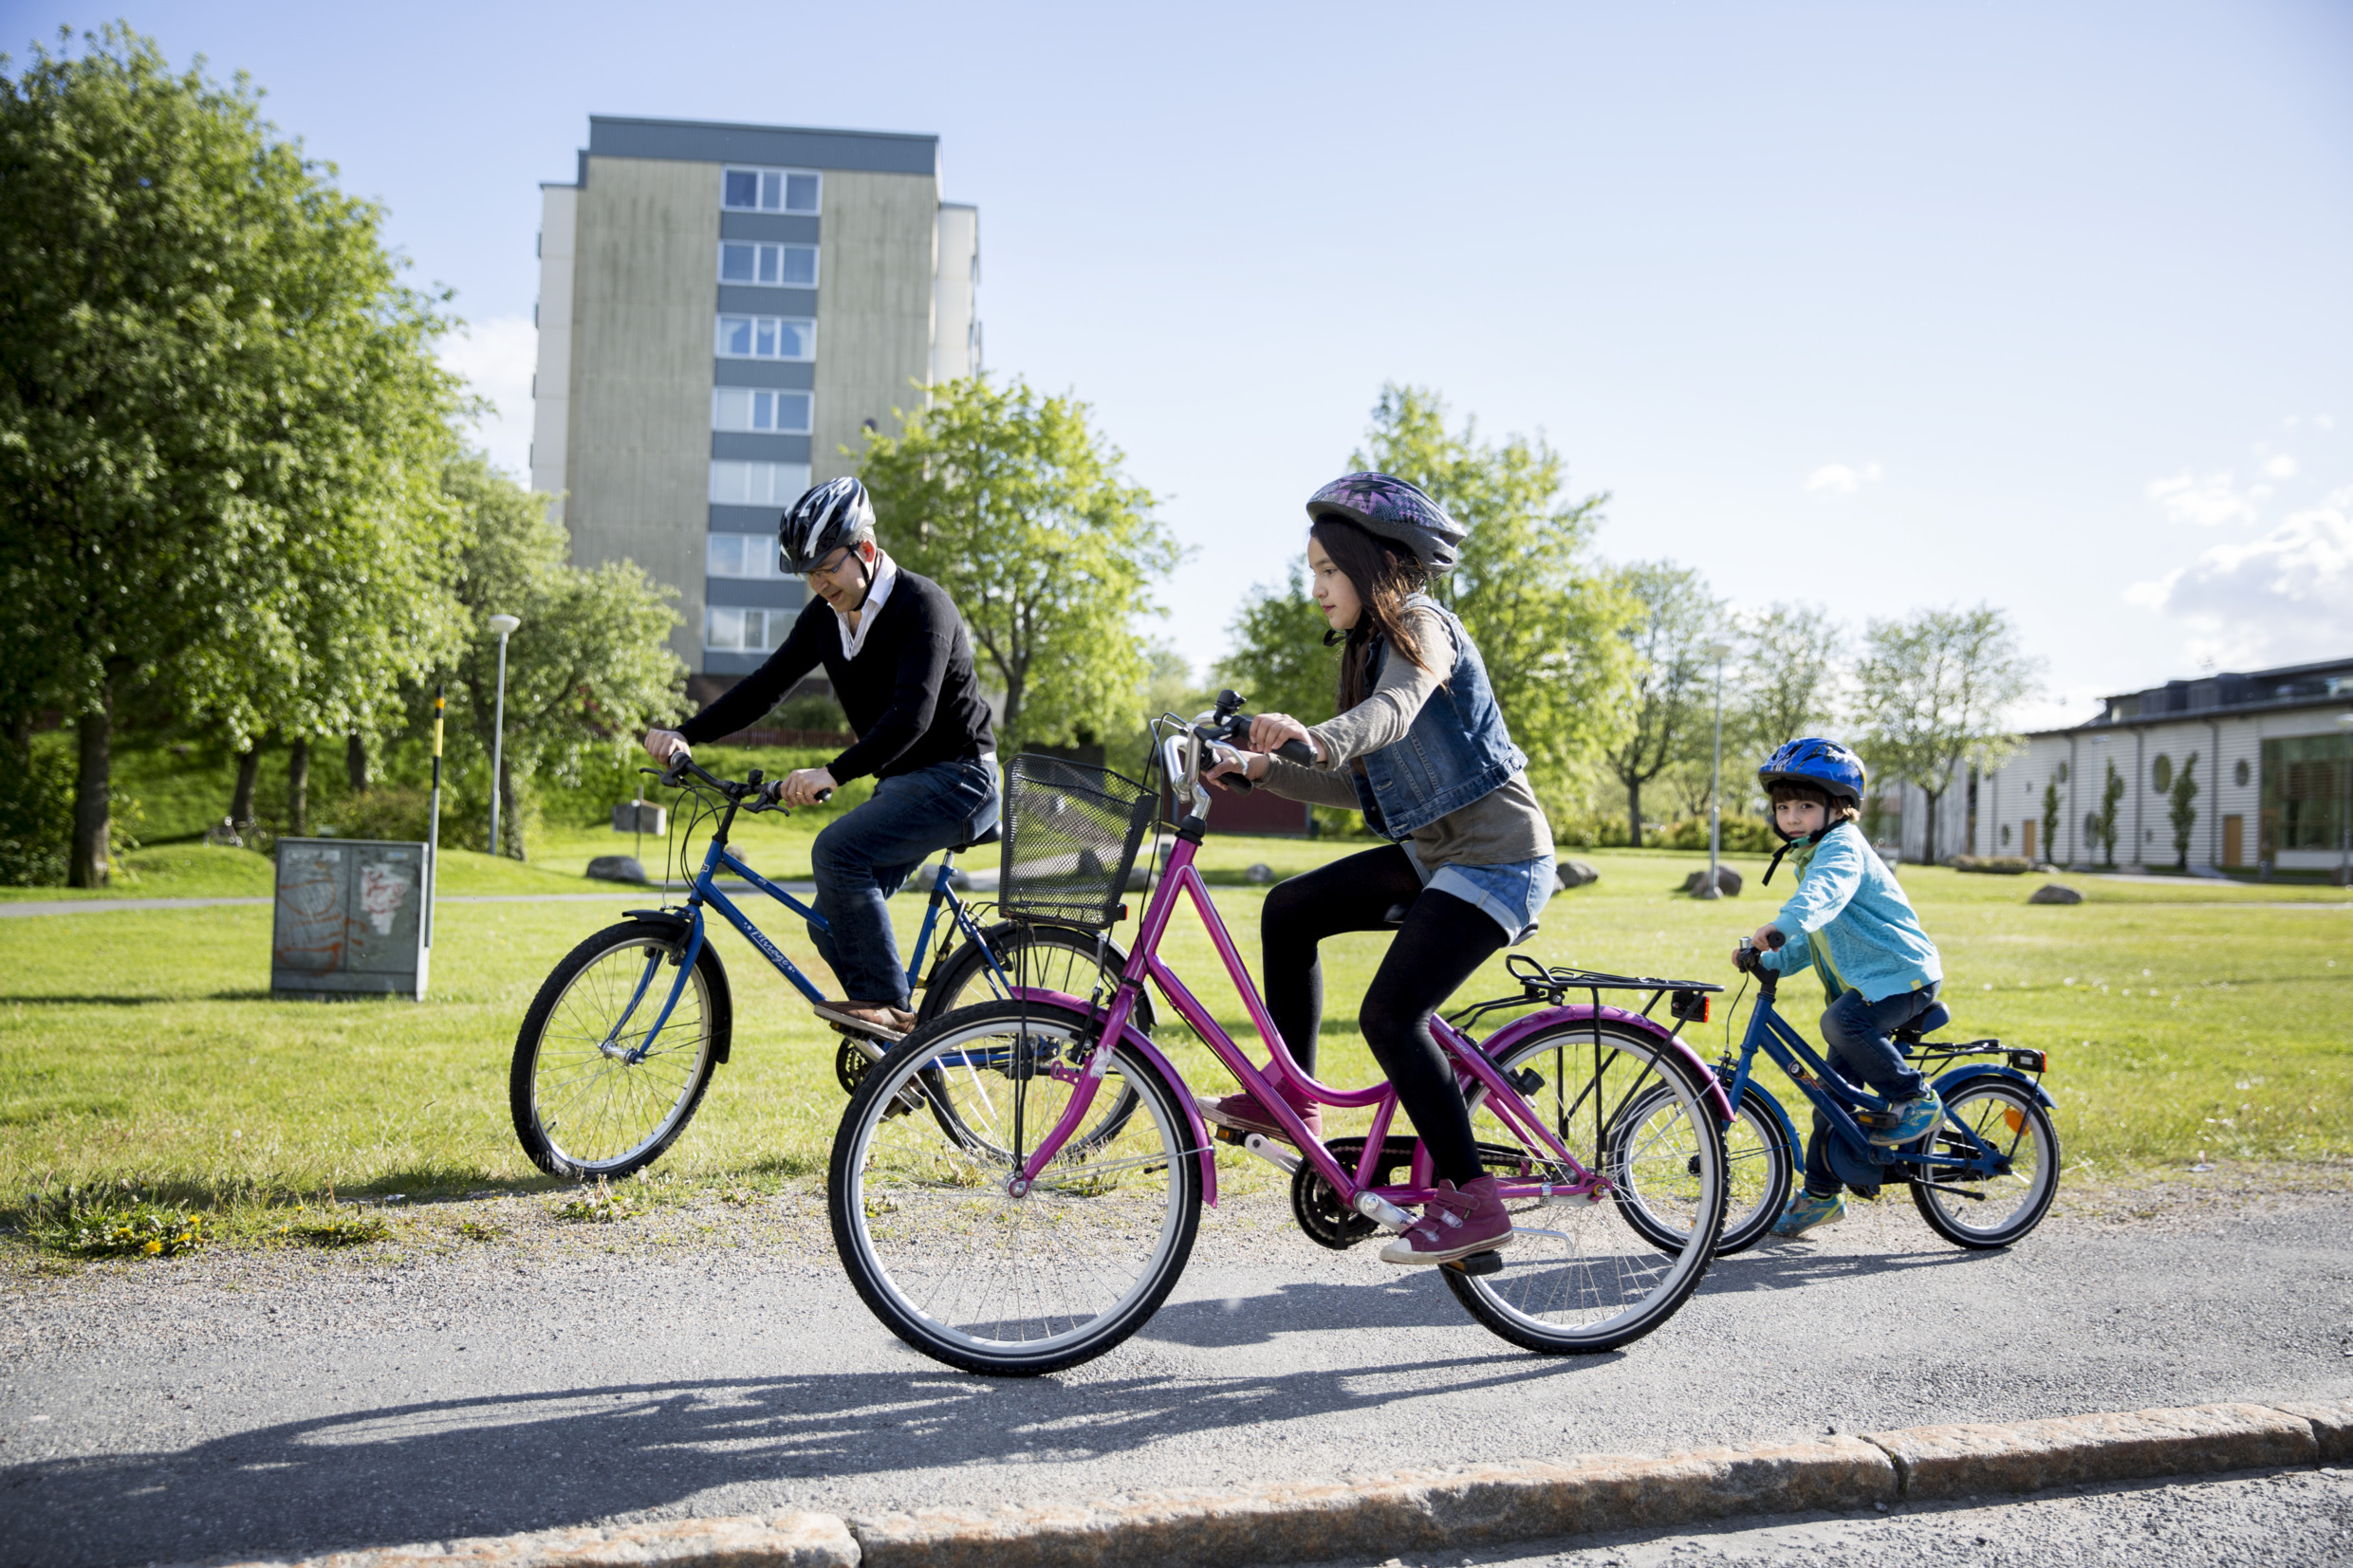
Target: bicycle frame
{"points": [[705, 891], [1474, 1068], [1830, 1093]]}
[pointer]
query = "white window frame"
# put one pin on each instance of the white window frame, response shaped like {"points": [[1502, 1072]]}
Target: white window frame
{"points": [[784, 179], [756, 247], [777, 399], [763, 484], [774, 626], [807, 326], [755, 550]]}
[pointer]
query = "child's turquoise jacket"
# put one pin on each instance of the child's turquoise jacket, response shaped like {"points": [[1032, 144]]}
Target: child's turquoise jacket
{"points": [[1849, 918]]}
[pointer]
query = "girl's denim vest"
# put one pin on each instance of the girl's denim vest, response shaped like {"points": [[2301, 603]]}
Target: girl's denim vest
{"points": [[1456, 751]]}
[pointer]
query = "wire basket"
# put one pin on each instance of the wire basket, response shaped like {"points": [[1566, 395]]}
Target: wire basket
{"points": [[1071, 833]]}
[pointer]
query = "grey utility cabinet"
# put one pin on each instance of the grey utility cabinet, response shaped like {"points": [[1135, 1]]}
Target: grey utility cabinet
{"points": [[350, 917]]}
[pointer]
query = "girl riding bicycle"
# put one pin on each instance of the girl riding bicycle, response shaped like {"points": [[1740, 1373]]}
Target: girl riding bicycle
{"points": [[1421, 748]]}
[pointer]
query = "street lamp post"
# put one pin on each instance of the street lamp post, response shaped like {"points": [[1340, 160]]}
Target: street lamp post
{"points": [[2344, 804], [503, 625], [1719, 653]]}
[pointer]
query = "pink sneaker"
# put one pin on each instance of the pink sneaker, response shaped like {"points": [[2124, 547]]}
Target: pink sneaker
{"points": [[1243, 1116], [1454, 1223]]}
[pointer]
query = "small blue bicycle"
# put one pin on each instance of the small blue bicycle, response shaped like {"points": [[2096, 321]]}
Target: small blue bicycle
{"points": [[612, 1059], [1983, 1179]]}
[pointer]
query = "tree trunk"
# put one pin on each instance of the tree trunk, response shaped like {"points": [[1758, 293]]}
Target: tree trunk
{"points": [[1634, 813], [356, 763], [298, 788], [241, 799], [1928, 820], [93, 790], [510, 814]]}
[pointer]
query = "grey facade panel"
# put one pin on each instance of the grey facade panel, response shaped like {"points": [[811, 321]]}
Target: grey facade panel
{"points": [[715, 663], [749, 447], [790, 226], [702, 141], [797, 374], [773, 593], [744, 519], [751, 300]]}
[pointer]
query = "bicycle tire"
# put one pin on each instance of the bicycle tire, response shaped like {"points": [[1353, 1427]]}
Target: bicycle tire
{"points": [[579, 1110], [1760, 1168], [1557, 1293], [2002, 1098], [924, 1223]]}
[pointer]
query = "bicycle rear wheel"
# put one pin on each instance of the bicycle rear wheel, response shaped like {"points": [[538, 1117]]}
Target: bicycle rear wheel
{"points": [[1991, 1211], [1760, 1167], [582, 1106], [1579, 1275], [962, 1270], [1047, 958]]}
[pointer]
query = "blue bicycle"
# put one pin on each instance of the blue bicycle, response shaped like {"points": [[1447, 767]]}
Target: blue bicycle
{"points": [[1982, 1179], [619, 1046]]}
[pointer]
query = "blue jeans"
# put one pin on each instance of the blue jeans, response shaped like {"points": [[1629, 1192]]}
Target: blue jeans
{"points": [[1854, 1038], [866, 855]]}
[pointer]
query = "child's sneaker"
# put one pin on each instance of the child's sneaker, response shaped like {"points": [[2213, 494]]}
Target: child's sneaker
{"points": [[1454, 1223], [1242, 1115], [1807, 1211], [1915, 1119]]}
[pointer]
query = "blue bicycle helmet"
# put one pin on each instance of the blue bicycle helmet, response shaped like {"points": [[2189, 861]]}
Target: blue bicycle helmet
{"points": [[1395, 510], [1825, 764]]}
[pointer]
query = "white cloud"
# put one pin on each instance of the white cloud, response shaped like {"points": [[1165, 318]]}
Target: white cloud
{"points": [[1840, 479], [495, 359], [2284, 596], [2323, 421], [2208, 502], [2282, 466]]}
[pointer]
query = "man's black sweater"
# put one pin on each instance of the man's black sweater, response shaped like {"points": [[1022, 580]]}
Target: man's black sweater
{"points": [[910, 693]]}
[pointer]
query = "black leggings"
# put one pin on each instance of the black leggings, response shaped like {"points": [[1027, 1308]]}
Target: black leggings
{"points": [[1443, 941]]}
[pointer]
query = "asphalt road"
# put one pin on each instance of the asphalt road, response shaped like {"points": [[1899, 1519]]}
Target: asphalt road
{"points": [[715, 1362]]}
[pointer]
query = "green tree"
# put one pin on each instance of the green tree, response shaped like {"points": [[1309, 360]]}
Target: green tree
{"points": [[1007, 499], [2182, 812], [589, 662], [1551, 624], [213, 387], [2111, 795], [1279, 661], [1671, 692], [2050, 819], [1935, 688], [1793, 666]]}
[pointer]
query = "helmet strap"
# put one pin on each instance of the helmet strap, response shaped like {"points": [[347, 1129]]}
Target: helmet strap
{"points": [[1788, 844]]}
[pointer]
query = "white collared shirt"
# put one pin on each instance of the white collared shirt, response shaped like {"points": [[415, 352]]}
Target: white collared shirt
{"points": [[886, 574]]}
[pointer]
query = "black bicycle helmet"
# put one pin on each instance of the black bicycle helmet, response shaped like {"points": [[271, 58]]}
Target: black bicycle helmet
{"points": [[826, 518], [1392, 508]]}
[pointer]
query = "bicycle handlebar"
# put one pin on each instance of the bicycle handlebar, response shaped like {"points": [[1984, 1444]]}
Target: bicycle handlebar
{"points": [[1236, 727], [761, 796]]}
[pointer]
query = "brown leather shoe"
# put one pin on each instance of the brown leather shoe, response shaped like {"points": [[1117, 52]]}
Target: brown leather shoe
{"points": [[874, 1020]]}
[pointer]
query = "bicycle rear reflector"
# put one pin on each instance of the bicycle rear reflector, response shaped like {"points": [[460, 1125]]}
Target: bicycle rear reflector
{"points": [[2015, 1117], [1690, 1007], [2030, 1061]]}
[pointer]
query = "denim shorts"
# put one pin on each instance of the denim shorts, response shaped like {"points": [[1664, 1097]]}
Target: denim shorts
{"points": [[1512, 895]]}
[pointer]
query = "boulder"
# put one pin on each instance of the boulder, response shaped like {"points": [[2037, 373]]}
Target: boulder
{"points": [[2055, 892], [1259, 874], [1576, 873], [1727, 881], [617, 868]]}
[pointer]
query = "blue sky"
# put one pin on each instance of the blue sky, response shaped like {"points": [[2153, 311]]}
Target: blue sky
{"points": [[1877, 305]]}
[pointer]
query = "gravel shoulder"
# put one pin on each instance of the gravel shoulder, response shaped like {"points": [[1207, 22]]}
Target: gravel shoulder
{"points": [[709, 1358]]}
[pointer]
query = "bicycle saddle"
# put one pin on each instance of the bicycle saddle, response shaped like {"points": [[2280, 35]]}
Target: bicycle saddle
{"points": [[1938, 1016], [990, 837]]}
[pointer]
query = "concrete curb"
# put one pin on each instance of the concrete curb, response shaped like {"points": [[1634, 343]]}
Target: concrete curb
{"points": [[1476, 1506]]}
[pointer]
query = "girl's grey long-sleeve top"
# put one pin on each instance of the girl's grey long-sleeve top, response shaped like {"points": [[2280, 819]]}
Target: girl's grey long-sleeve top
{"points": [[1502, 827]]}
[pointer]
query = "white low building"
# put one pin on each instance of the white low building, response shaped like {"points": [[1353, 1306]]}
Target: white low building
{"points": [[2270, 760]]}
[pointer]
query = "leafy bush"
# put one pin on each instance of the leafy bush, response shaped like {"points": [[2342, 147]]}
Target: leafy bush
{"points": [[1736, 834], [36, 819], [1998, 865]]}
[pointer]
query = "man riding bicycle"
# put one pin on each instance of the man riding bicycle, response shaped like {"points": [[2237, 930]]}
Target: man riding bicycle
{"points": [[900, 662]]}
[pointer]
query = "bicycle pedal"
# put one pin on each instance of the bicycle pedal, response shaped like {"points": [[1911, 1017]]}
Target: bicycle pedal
{"points": [[1477, 1263], [1877, 1119], [1223, 1133]]}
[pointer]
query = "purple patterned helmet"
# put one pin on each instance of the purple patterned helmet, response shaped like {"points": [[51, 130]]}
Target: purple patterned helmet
{"points": [[1390, 508]]}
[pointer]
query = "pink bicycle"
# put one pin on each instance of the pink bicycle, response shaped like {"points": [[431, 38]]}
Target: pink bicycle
{"points": [[1044, 1207]]}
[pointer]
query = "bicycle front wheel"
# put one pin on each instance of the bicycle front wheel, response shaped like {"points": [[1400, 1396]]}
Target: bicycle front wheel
{"points": [[1580, 1275], [1760, 1168], [587, 1096], [1984, 1211], [956, 1265]]}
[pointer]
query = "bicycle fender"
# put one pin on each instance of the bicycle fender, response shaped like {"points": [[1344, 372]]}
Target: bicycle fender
{"points": [[1986, 1069], [1511, 1034], [1143, 1047]]}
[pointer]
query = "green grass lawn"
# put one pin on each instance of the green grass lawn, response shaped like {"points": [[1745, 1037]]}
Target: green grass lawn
{"points": [[142, 1047]]}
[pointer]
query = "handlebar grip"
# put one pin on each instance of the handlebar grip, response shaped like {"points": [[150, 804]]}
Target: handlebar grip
{"points": [[1774, 940], [1296, 751]]}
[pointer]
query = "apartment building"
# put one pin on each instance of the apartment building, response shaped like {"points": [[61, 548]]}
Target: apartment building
{"points": [[724, 312]]}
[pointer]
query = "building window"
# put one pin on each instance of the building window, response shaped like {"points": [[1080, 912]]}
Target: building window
{"points": [[771, 266], [757, 484], [2238, 773], [752, 409], [767, 338], [2062, 773], [2161, 773], [727, 630], [751, 554], [768, 191], [2303, 791]]}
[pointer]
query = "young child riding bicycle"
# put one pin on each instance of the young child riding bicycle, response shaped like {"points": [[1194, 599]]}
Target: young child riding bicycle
{"points": [[1421, 748], [1851, 919]]}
